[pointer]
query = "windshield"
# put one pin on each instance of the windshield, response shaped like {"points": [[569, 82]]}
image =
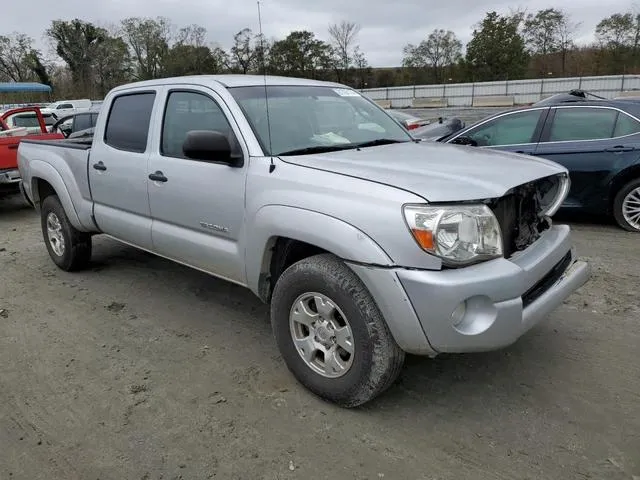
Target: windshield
{"points": [[304, 119]]}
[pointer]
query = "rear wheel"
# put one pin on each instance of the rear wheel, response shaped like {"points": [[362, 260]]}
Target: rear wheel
{"points": [[69, 248], [331, 334], [626, 206]]}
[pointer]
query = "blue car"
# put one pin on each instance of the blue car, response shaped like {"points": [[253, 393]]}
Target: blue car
{"points": [[598, 141]]}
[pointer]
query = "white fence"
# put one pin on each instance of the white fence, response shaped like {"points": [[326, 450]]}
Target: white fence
{"points": [[517, 92]]}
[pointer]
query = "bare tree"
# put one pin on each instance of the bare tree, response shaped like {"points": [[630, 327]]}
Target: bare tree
{"points": [[343, 36]]}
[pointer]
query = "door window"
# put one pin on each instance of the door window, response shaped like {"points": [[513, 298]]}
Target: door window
{"points": [[582, 123], [64, 106], [128, 123], [511, 129], [626, 125], [186, 111], [82, 122]]}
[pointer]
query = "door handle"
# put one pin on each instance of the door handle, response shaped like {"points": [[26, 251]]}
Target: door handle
{"points": [[523, 152], [100, 166], [13, 147], [619, 148], [158, 176]]}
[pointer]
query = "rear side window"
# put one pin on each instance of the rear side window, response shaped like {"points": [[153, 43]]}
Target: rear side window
{"points": [[582, 123], [82, 122], [128, 123], [626, 125]]}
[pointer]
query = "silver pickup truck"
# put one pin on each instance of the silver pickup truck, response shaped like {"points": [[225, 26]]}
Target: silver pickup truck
{"points": [[366, 243]]}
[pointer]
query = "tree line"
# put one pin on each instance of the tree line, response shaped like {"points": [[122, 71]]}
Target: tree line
{"points": [[89, 59]]}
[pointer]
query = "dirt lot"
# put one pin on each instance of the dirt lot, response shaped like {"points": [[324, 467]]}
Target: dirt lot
{"points": [[142, 369]]}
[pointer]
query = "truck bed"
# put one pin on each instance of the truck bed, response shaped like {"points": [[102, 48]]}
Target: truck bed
{"points": [[75, 143]]}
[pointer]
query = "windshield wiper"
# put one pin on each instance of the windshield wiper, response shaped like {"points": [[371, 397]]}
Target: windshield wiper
{"points": [[318, 149], [379, 141], [343, 146]]}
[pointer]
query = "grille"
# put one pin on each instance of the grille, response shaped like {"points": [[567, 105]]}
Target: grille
{"points": [[518, 214]]}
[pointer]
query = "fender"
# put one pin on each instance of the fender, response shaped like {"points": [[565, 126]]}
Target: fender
{"points": [[43, 170], [323, 231]]}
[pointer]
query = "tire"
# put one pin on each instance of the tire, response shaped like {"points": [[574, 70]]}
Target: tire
{"points": [[376, 360], [630, 192], [69, 248]]}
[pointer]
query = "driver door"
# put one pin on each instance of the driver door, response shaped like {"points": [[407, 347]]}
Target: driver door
{"points": [[517, 131]]}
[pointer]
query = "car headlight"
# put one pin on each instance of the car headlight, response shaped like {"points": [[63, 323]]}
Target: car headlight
{"points": [[458, 234]]}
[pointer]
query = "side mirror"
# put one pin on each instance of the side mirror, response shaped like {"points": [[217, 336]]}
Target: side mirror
{"points": [[463, 140], [210, 146]]}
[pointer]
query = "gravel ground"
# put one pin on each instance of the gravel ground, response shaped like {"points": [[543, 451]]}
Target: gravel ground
{"points": [[139, 368]]}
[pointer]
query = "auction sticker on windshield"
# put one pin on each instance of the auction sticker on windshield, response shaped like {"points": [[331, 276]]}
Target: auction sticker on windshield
{"points": [[345, 92]]}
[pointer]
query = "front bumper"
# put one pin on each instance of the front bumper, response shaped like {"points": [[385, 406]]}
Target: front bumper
{"points": [[503, 298], [490, 305]]}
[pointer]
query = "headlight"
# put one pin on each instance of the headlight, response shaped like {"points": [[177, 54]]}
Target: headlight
{"points": [[458, 234]]}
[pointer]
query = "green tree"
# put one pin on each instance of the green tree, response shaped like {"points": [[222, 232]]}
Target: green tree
{"points": [[497, 49], [300, 54], [440, 50], [619, 38], [77, 43], [548, 32], [148, 40], [112, 64]]}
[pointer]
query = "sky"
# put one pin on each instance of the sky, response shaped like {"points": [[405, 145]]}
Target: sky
{"points": [[386, 26]]}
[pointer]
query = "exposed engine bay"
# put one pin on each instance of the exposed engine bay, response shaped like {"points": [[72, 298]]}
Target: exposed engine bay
{"points": [[522, 212]]}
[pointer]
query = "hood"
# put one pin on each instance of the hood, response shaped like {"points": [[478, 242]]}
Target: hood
{"points": [[436, 172]]}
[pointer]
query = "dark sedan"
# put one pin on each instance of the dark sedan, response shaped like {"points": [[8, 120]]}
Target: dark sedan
{"points": [[597, 141]]}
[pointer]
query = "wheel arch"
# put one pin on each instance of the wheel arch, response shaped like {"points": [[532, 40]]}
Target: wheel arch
{"points": [[281, 236], [620, 180], [45, 181]]}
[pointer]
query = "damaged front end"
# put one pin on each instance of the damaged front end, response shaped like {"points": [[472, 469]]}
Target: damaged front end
{"points": [[525, 212]]}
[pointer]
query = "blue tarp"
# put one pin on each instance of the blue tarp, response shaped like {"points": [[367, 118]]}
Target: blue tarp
{"points": [[18, 87]]}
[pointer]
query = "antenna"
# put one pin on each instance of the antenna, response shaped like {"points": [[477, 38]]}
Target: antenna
{"points": [[272, 167]]}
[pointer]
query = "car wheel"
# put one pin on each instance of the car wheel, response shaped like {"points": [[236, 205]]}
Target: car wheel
{"points": [[331, 333], [626, 206], [69, 248]]}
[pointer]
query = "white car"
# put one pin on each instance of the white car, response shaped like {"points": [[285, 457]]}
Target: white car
{"points": [[67, 107]]}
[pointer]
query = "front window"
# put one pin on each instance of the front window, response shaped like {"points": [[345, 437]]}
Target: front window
{"points": [[512, 129], [304, 119]]}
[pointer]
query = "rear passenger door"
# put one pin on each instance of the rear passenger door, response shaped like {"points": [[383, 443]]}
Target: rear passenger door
{"points": [[118, 164], [584, 139], [198, 207]]}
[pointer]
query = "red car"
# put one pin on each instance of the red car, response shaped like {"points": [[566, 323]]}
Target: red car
{"points": [[16, 125]]}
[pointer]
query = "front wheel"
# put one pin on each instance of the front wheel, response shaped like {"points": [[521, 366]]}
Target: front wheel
{"points": [[69, 248], [331, 333], [626, 206]]}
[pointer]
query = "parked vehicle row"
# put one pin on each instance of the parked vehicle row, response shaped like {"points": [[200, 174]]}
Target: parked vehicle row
{"points": [[366, 243]]}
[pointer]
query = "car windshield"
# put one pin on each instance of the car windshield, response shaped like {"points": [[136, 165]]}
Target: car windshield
{"points": [[308, 119]]}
